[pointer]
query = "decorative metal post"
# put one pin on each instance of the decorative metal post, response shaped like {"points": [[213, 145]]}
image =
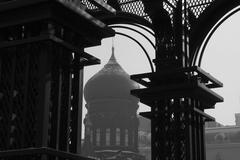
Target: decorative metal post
{"points": [[177, 92], [41, 75]]}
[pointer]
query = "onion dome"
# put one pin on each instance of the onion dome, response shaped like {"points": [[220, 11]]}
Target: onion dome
{"points": [[110, 82]]}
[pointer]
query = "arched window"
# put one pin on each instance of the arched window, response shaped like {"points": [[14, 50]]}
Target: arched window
{"points": [[126, 137], [118, 136], [98, 137], [108, 136]]}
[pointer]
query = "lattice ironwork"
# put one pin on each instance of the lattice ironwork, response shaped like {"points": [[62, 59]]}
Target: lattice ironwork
{"points": [[177, 99], [171, 123], [136, 6], [41, 62], [198, 6], [19, 94]]}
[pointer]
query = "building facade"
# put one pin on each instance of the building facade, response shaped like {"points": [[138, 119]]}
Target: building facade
{"points": [[222, 142]]}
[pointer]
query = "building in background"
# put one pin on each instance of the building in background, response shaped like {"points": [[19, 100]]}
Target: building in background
{"points": [[111, 122], [222, 142], [114, 131], [144, 137]]}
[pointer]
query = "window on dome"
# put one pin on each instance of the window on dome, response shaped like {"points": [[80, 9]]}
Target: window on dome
{"points": [[98, 137], [126, 137], [108, 136], [118, 136]]}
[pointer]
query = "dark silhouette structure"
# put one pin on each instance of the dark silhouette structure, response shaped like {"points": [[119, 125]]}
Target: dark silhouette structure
{"points": [[42, 59], [41, 66]]}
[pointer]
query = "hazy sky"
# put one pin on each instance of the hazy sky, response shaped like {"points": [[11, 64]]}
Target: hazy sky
{"points": [[221, 59]]}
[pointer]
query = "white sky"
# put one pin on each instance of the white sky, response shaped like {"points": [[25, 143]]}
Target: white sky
{"points": [[221, 59]]}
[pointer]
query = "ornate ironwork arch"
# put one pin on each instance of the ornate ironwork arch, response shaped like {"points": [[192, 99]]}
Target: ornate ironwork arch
{"points": [[135, 40], [209, 21], [144, 50], [137, 11], [122, 17], [148, 39], [125, 18]]}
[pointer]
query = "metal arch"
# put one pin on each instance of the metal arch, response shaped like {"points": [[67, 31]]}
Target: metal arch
{"points": [[212, 32], [124, 18], [131, 19], [148, 57], [125, 27], [195, 57], [208, 22], [138, 25]]}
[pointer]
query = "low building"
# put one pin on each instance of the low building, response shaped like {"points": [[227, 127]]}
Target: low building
{"points": [[222, 142]]}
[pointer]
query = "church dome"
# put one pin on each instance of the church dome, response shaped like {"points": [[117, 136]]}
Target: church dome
{"points": [[110, 82]]}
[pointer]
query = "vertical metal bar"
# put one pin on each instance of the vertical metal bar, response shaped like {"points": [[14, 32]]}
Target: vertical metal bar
{"points": [[161, 124], [44, 94], [1, 68], [153, 147], [2, 130], [186, 34], [12, 53], [177, 127], [189, 130], [59, 109], [203, 139], [194, 143], [69, 106], [76, 113], [188, 137], [198, 137], [55, 74], [6, 63], [80, 102], [65, 103], [25, 101], [17, 99], [32, 97], [1, 103]]}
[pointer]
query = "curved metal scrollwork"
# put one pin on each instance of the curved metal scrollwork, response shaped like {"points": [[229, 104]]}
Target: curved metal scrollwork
{"points": [[204, 13], [135, 40], [144, 50], [209, 21]]}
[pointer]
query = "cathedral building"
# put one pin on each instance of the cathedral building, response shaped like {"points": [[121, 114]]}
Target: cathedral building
{"points": [[111, 122], [114, 131]]}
